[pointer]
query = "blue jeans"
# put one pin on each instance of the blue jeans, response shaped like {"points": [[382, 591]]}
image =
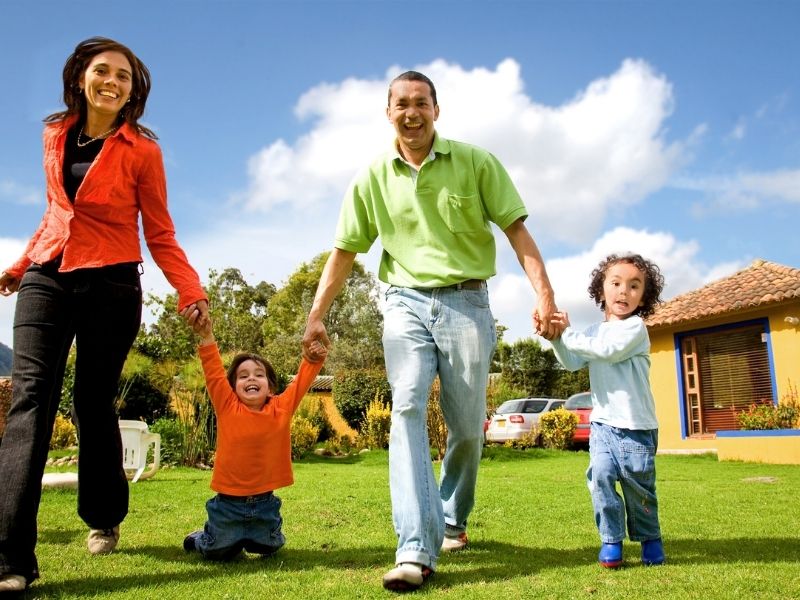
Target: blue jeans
{"points": [[236, 523], [627, 456], [101, 310], [450, 332]]}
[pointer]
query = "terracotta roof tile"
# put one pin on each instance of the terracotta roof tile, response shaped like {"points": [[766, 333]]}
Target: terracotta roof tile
{"points": [[761, 283]]}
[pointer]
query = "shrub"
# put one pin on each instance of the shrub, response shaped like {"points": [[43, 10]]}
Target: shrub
{"points": [[63, 433], [304, 436], [437, 429], [375, 430], [312, 408], [5, 403], [139, 400], [529, 440], [557, 428], [500, 391], [353, 391], [765, 415], [171, 432]]}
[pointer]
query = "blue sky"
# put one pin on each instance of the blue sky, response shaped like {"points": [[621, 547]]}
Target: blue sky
{"points": [[667, 128]]}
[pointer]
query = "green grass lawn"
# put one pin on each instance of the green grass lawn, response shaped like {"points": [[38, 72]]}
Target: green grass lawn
{"points": [[731, 530]]}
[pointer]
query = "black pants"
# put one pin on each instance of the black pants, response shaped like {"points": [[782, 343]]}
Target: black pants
{"points": [[101, 310]]}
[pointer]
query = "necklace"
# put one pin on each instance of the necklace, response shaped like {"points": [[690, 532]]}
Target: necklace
{"points": [[92, 139]]}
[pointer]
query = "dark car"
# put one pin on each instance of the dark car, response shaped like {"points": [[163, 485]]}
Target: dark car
{"points": [[581, 405]]}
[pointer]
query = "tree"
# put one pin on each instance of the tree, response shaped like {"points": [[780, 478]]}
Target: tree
{"points": [[526, 365], [236, 308], [354, 321]]}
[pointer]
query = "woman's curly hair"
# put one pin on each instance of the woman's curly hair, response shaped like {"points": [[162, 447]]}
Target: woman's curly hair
{"points": [[653, 282]]}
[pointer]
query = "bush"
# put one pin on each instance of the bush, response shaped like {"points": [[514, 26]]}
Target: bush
{"points": [[139, 400], [529, 440], [354, 390], [304, 436], [765, 415], [500, 391], [312, 408], [437, 428], [63, 434], [171, 432], [557, 428], [378, 421]]}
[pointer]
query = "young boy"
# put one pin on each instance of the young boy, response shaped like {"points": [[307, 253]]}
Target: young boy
{"points": [[253, 448], [624, 430]]}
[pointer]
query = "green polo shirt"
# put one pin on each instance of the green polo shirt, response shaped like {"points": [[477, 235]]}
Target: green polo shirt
{"points": [[435, 228]]}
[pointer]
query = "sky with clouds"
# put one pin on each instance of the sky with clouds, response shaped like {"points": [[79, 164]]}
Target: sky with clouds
{"points": [[671, 129]]}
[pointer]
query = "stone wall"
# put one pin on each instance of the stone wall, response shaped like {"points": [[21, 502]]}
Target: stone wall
{"points": [[5, 401]]}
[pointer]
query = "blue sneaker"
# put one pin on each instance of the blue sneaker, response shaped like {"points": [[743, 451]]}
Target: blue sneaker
{"points": [[653, 553], [610, 555]]}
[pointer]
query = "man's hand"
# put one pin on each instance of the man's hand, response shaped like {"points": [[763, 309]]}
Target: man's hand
{"points": [[314, 338]]}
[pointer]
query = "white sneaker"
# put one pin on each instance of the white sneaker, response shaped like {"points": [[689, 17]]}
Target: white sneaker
{"points": [[406, 577], [12, 583], [454, 544], [102, 541]]}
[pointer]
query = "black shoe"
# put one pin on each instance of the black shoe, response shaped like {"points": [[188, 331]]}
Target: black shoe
{"points": [[189, 544]]}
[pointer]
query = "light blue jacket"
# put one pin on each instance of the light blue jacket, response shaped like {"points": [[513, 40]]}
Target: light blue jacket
{"points": [[618, 355]]}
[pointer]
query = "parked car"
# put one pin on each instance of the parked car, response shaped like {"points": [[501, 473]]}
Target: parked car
{"points": [[515, 418], [581, 405]]}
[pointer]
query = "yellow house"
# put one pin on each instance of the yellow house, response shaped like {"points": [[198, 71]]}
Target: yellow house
{"points": [[718, 350]]}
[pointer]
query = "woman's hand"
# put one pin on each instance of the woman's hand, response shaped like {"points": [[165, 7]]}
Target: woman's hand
{"points": [[8, 284]]}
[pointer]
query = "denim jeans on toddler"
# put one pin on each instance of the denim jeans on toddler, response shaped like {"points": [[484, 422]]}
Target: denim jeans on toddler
{"points": [[627, 456], [236, 523], [449, 332]]}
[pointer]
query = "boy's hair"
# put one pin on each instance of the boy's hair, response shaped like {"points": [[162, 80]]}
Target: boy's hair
{"points": [[653, 282], [272, 378]]}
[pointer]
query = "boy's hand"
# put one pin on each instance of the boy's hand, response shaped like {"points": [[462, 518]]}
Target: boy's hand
{"points": [[560, 322], [199, 322], [315, 352]]}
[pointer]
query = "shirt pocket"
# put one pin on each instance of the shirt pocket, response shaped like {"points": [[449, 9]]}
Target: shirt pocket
{"points": [[461, 214]]}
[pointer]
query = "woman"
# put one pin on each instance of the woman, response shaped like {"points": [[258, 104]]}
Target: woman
{"points": [[79, 280]]}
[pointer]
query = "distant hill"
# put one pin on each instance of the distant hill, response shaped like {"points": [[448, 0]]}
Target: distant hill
{"points": [[5, 360]]}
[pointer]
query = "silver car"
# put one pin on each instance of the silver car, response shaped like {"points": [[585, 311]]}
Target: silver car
{"points": [[515, 418]]}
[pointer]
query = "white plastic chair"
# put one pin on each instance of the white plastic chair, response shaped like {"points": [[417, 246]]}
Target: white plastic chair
{"points": [[136, 441]]}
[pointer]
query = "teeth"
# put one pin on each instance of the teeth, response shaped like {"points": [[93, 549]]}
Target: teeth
{"points": [[108, 94]]}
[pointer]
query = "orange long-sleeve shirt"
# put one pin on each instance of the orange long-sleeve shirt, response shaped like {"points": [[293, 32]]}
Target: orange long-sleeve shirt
{"points": [[102, 226], [254, 451]]}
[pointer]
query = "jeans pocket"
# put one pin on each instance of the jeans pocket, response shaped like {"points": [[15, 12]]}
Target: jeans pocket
{"points": [[637, 461]]}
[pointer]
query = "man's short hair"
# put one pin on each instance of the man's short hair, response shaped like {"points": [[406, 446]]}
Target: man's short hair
{"points": [[413, 76]]}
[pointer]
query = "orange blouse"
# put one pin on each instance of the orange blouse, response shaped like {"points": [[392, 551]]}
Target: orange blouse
{"points": [[102, 226]]}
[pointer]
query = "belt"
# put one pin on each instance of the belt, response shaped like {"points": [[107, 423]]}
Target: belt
{"points": [[469, 284]]}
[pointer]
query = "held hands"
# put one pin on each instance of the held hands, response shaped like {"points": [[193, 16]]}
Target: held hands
{"points": [[315, 341], [8, 284], [543, 316], [560, 322], [197, 317]]}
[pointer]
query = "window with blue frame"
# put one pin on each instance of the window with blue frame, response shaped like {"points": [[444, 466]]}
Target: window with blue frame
{"points": [[724, 371]]}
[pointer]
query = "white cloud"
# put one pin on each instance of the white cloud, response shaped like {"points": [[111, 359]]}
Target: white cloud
{"points": [[603, 148], [16, 193], [513, 299], [744, 191]]}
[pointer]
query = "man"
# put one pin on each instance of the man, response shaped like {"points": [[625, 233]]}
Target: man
{"points": [[431, 201]]}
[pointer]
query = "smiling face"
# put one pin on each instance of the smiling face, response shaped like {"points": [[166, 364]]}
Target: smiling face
{"points": [[623, 289], [413, 112], [252, 385], [106, 84]]}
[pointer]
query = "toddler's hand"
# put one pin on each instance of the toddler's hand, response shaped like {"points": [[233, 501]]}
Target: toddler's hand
{"points": [[315, 352]]}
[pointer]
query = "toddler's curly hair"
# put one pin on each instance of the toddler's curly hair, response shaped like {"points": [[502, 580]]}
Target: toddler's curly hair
{"points": [[653, 282]]}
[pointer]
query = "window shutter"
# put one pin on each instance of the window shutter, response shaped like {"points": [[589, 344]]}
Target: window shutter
{"points": [[734, 373]]}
